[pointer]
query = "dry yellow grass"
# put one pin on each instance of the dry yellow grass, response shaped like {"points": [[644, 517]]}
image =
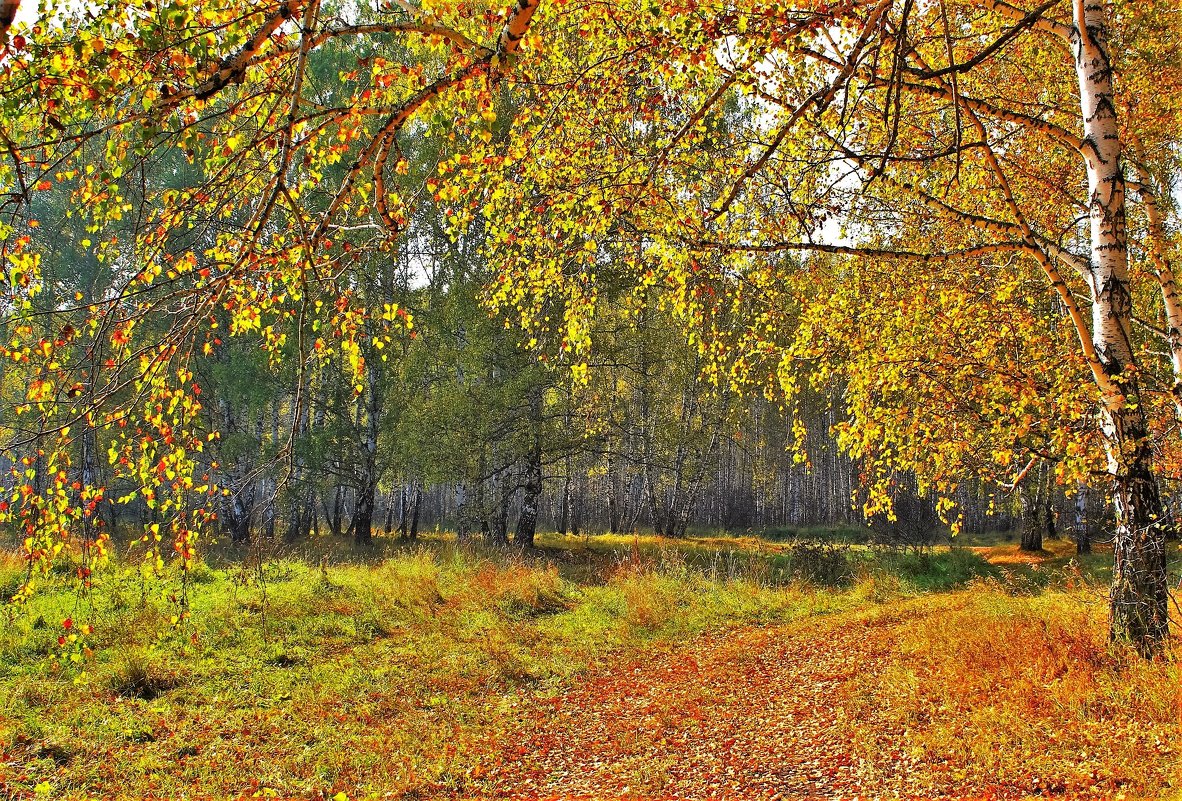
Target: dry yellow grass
{"points": [[1024, 694]]}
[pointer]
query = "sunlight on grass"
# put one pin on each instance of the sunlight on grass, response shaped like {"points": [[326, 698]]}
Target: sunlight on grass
{"points": [[402, 671]]}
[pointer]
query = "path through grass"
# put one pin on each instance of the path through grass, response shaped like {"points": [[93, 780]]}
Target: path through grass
{"points": [[418, 672]]}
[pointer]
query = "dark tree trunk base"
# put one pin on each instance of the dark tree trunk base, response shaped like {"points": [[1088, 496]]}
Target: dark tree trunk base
{"points": [[1139, 597]]}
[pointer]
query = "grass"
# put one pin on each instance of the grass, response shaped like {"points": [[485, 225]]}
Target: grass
{"points": [[391, 671], [1024, 691]]}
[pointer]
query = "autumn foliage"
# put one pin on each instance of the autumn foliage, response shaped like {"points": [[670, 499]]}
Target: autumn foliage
{"points": [[940, 236]]}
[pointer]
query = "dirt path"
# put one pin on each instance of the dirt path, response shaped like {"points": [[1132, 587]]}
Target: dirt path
{"points": [[749, 714]]}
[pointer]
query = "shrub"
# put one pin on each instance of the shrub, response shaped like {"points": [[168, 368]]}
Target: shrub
{"points": [[930, 571], [522, 591], [137, 675], [825, 564]]}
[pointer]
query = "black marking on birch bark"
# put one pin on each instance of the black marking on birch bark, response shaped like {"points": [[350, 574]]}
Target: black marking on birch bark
{"points": [[1105, 109], [1112, 365]]}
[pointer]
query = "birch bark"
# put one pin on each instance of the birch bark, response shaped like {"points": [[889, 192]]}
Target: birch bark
{"points": [[1139, 594]]}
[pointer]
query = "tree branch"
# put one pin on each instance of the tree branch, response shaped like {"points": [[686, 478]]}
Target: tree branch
{"points": [[1040, 24], [1027, 21], [821, 98], [854, 250]]}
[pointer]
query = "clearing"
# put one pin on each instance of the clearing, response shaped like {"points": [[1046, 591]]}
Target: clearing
{"points": [[602, 667]]}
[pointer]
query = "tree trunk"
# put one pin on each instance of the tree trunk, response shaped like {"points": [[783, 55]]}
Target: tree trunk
{"points": [[576, 509], [367, 489], [271, 513], [1030, 496], [527, 522], [1163, 270], [464, 516], [238, 514], [498, 533], [334, 517], [389, 525], [302, 520], [1048, 505], [363, 518], [403, 509], [564, 515], [89, 481], [1138, 600], [1083, 540], [413, 531]]}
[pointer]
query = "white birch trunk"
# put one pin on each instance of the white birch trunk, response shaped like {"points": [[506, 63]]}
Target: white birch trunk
{"points": [[1139, 594]]}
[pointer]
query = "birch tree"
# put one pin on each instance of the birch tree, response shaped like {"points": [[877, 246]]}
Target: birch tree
{"points": [[927, 144]]}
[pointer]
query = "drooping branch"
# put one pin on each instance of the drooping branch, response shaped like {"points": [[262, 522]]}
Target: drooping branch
{"points": [[1110, 389], [233, 67], [981, 222], [696, 117], [951, 212], [426, 29], [1164, 272], [946, 92], [380, 146], [920, 256], [1027, 121], [821, 99], [1028, 21]]}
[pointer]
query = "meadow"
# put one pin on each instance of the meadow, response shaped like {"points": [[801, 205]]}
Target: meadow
{"points": [[430, 670]]}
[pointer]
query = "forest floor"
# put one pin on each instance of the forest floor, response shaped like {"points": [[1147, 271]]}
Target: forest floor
{"points": [[601, 667], [813, 710], [748, 713]]}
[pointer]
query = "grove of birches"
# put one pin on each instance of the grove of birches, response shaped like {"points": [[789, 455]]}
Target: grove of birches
{"points": [[274, 272]]}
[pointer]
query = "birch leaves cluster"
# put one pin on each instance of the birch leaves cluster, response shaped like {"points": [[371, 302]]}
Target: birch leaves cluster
{"points": [[230, 166]]}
